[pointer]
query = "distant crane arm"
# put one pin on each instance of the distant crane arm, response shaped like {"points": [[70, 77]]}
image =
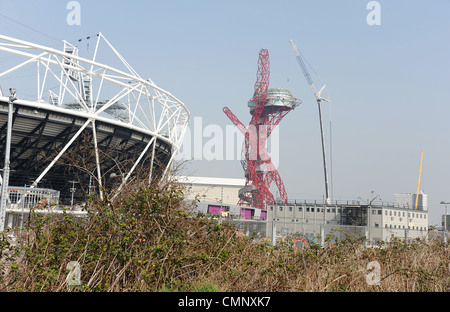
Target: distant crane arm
{"points": [[303, 66], [300, 61], [318, 97]]}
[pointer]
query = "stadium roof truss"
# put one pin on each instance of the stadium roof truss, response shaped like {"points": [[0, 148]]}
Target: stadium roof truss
{"points": [[66, 84]]}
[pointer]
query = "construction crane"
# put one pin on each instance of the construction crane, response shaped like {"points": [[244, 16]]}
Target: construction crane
{"points": [[418, 182], [319, 99]]}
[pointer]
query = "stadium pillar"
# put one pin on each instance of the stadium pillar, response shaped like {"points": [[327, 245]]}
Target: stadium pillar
{"points": [[6, 168]]}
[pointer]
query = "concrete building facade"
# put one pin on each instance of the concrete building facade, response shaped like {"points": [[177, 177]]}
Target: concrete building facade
{"points": [[408, 200], [218, 190], [376, 221]]}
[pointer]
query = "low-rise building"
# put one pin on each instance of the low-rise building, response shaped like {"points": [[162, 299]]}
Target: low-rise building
{"points": [[208, 189], [376, 221], [409, 200]]}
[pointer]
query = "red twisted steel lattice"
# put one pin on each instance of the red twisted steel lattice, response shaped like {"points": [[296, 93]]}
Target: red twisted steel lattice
{"points": [[259, 170]]}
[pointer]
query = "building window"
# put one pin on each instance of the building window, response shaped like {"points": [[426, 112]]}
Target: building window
{"points": [[385, 213], [281, 208], [271, 208], [307, 209], [333, 210], [312, 209], [376, 225], [374, 212], [379, 212], [290, 208], [299, 209], [390, 213]]}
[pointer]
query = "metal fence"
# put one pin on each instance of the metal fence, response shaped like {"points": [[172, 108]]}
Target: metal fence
{"points": [[30, 197], [330, 234], [250, 228], [22, 199]]}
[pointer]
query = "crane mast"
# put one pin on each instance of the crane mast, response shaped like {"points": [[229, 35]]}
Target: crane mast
{"points": [[319, 98]]}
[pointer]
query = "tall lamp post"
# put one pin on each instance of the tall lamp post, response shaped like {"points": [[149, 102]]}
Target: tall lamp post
{"points": [[445, 220], [6, 169], [72, 190]]}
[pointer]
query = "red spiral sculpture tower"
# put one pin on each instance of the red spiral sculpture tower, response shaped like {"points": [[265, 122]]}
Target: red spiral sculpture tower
{"points": [[267, 108]]}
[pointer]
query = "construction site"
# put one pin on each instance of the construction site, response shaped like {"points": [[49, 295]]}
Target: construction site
{"points": [[257, 212], [117, 124]]}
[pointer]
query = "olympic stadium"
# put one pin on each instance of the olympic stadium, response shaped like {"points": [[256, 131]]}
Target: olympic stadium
{"points": [[69, 121]]}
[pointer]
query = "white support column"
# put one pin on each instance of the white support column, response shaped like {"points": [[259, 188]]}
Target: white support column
{"points": [[97, 159], [169, 164], [134, 166], [152, 163], [35, 183], [5, 181]]}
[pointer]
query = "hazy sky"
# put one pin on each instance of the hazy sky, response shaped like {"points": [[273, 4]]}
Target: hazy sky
{"points": [[389, 83]]}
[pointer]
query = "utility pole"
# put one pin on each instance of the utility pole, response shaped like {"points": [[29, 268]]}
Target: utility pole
{"points": [[72, 190], [369, 218], [445, 220], [6, 169]]}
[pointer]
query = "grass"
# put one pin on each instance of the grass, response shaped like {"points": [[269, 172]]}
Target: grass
{"points": [[150, 239]]}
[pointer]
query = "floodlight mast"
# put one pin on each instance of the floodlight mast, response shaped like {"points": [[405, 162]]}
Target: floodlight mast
{"points": [[319, 98]]}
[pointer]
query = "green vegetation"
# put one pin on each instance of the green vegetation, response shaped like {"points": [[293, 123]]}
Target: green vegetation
{"points": [[152, 240]]}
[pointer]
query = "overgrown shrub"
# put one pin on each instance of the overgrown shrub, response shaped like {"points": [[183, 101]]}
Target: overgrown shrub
{"points": [[150, 239]]}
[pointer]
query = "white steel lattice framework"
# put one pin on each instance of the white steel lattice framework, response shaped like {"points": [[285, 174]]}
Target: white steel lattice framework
{"points": [[68, 85]]}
